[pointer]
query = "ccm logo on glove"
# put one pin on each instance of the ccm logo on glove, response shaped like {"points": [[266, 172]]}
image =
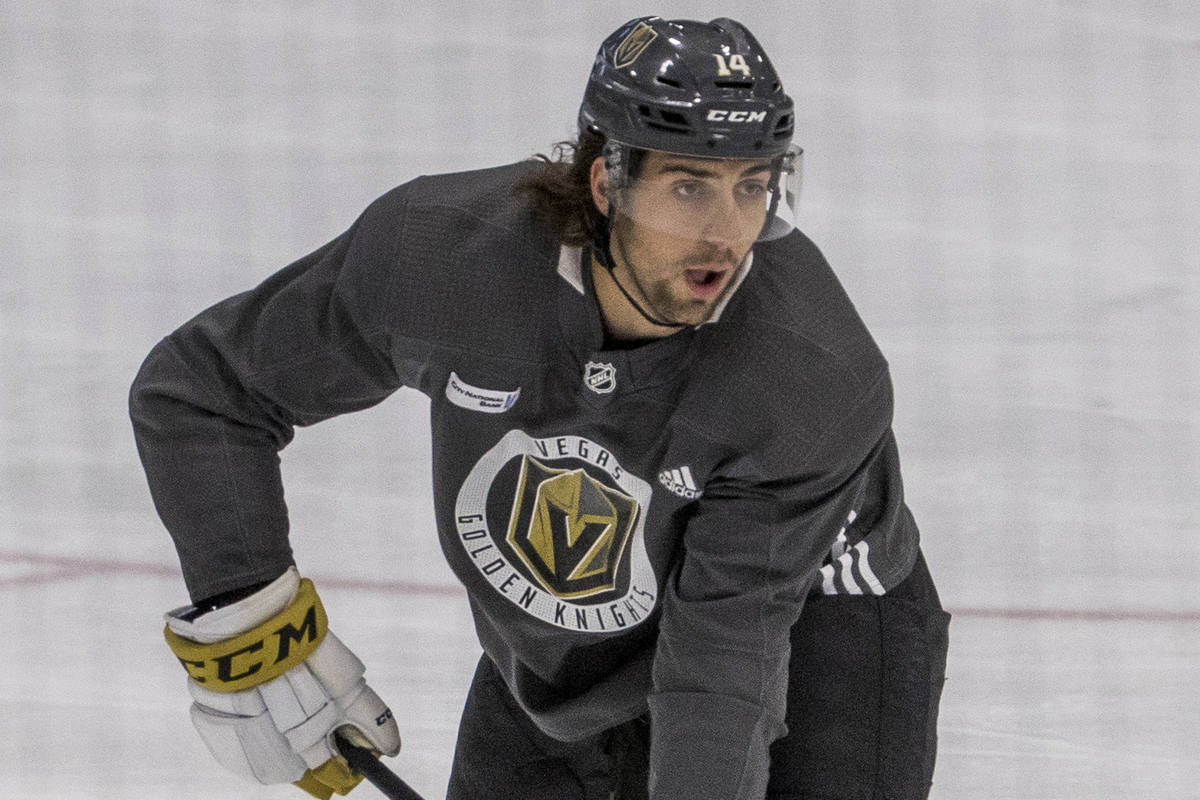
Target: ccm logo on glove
{"points": [[259, 654]]}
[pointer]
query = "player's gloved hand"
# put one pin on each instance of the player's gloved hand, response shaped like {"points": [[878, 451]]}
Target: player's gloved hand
{"points": [[271, 685]]}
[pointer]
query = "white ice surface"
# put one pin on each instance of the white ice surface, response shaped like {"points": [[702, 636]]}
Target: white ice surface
{"points": [[1009, 189]]}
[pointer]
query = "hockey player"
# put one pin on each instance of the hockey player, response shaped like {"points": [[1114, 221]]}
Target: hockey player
{"points": [[663, 461]]}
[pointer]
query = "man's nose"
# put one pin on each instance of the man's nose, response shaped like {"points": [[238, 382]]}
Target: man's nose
{"points": [[722, 222]]}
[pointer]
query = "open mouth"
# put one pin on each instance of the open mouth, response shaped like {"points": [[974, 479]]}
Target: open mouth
{"points": [[704, 282]]}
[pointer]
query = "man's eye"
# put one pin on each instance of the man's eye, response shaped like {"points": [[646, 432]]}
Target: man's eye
{"points": [[754, 189], [688, 188]]}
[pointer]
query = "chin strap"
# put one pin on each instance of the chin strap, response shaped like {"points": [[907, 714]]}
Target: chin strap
{"points": [[602, 254]]}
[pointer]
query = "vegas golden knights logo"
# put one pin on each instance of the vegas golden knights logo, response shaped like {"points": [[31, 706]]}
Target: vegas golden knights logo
{"points": [[556, 526], [569, 529], [633, 45]]}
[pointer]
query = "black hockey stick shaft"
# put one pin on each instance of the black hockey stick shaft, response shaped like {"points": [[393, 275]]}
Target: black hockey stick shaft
{"points": [[364, 762]]}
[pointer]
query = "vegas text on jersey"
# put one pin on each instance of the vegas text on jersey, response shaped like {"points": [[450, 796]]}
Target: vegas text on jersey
{"points": [[556, 526]]}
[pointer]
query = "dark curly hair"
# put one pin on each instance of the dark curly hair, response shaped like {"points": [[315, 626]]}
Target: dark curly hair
{"points": [[560, 191]]}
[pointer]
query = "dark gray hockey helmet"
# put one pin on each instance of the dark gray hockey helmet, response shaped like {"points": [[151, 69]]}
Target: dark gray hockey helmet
{"points": [[695, 88], [700, 89]]}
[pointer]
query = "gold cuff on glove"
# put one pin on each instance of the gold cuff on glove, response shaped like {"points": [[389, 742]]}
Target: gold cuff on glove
{"points": [[261, 653]]}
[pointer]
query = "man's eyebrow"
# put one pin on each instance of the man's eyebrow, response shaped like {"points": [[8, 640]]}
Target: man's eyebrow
{"points": [[701, 172]]}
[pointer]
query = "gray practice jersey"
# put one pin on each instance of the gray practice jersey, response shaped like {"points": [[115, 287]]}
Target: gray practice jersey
{"points": [[636, 528]]}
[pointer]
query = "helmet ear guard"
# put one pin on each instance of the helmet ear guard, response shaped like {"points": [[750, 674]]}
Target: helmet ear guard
{"points": [[623, 162], [787, 173], [616, 161]]}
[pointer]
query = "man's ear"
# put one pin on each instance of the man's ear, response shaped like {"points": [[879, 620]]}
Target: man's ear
{"points": [[599, 181]]}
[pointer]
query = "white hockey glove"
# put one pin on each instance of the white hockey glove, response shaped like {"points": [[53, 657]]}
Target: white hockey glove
{"points": [[271, 685]]}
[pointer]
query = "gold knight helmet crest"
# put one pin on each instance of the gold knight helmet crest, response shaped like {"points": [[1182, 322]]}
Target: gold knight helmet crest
{"points": [[571, 530], [633, 45]]}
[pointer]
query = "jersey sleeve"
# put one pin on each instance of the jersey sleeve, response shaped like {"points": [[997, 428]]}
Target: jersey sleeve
{"points": [[216, 400], [751, 552]]}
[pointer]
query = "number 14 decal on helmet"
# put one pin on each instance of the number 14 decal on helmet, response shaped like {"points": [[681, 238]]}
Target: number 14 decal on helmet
{"points": [[725, 67]]}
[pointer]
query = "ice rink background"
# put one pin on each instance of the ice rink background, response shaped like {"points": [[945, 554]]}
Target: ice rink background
{"points": [[1010, 191]]}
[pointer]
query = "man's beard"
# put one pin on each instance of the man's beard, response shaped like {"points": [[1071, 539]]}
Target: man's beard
{"points": [[663, 302]]}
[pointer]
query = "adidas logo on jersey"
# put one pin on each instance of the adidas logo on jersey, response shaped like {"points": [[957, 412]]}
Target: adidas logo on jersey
{"points": [[679, 481]]}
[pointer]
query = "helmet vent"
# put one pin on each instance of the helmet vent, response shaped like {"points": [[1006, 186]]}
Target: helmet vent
{"points": [[739, 84], [674, 84], [658, 126], [664, 120]]}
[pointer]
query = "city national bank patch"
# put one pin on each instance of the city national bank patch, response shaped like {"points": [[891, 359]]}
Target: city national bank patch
{"points": [[556, 526], [474, 398]]}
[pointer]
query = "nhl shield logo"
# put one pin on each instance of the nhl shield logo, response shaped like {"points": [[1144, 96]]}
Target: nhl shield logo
{"points": [[601, 378], [633, 45]]}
